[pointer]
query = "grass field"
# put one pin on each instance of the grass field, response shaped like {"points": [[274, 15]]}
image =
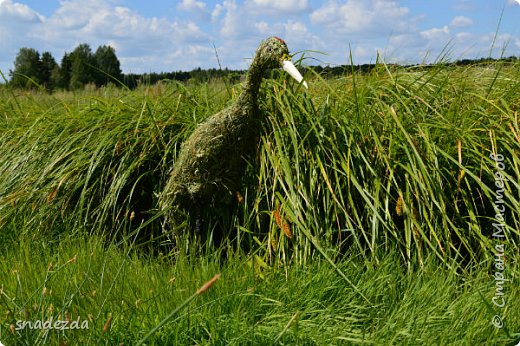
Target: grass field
{"points": [[382, 208]]}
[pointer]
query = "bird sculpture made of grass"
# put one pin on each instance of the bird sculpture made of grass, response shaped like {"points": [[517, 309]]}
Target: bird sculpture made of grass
{"points": [[211, 163]]}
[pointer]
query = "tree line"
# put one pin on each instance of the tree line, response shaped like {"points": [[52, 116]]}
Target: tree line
{"points": [[77, 68], [82, 66]]}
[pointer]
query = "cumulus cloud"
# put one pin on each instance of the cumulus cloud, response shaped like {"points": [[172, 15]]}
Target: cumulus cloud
{"points": [[436, 33], [231, 23], [98, 22], [16, 20], [282, 6], [406, 41], [298, 34], [262, 27], [426, 45], [18, 11], [464, 36], [367, 17], [184, 39], [461, 21], [192, 5], [198, 8]]}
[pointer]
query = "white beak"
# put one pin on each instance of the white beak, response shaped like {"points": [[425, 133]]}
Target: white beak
{"points": [[289, 67]]}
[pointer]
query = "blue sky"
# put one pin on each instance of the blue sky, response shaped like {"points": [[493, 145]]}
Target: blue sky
{"points": [[160, 35]]}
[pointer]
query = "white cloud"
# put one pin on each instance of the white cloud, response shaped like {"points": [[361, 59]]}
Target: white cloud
{"points": [[197, 8], [513, 2], [16, 20], [413, 47], [362, 18], [406, 41], [215, 14], [262, 27], [282, 6], [231, 24], [192, 5], [96, 22], [295, 27], [436, 33], [183, 40], [461, 21], [14, 10], [297, 33], [464, 36]]}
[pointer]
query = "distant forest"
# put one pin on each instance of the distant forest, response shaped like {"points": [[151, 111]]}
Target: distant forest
{"points": [[83, 67]]}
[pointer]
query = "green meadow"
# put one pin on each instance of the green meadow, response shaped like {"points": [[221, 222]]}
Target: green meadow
{"points": [[381, 208]]}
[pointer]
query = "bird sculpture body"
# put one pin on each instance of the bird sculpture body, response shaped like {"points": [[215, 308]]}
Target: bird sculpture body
{"points": [[211, 162]]}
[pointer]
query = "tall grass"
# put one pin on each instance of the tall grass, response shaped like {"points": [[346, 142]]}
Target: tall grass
{"points": [[398, 157], [124, 296], [394, 158], [394, 163]]}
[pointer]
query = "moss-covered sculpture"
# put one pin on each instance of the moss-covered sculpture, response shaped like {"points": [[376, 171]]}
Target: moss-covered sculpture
{"points": [[211, 162]]}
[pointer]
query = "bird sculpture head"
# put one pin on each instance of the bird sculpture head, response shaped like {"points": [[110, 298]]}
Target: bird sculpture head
{"points": [[273, 53]]}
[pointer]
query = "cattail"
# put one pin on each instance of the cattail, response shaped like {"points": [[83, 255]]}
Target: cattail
{"points": [[284, 226], [514, 131], [106, 326], [72, 260], [277, 218], [54, 192], [240, 198], [208, 284], [52, 195], [287, 230], [399, 206]]}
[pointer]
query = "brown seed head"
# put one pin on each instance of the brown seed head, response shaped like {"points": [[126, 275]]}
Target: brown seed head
{"points": [[399, 206], [73, 259], [277, 218], [208, 284], [106, 326], [287, 230]]}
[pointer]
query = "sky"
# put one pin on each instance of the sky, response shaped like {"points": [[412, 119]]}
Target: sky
{"points": [[163, 36]]}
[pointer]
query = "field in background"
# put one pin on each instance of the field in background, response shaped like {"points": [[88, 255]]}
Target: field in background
{"points": [[367, 217]]}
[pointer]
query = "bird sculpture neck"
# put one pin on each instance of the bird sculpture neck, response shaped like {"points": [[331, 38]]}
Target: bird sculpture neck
{"points": [[249, 95]]}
